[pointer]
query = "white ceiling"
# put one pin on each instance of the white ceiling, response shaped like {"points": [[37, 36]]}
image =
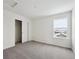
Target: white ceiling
{"points": [[36, 8]]}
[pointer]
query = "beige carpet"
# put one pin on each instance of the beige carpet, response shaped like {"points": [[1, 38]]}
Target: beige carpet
{"points": [[34, 50]]}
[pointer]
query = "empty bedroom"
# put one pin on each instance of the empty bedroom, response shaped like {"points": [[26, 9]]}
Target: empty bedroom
{"points": [[38, 29]]}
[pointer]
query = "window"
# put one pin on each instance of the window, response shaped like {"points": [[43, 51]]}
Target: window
{"points": [[60, 27]]}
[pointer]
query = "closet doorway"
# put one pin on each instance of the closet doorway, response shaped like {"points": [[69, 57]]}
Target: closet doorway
{"points": [[18, 31]]}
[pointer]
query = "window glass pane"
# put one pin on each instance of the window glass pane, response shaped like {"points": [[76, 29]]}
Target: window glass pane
{"points": [[60, 23], [60, 27]]}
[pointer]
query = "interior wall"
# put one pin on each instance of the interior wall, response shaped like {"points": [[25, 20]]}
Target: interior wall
{"points": [[42, 31], [9, 28], [73, 29]]}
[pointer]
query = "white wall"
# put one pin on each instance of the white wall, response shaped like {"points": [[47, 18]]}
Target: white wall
{"points": [[41, 29], [43, 32], [9, 28], [73, 29]]}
